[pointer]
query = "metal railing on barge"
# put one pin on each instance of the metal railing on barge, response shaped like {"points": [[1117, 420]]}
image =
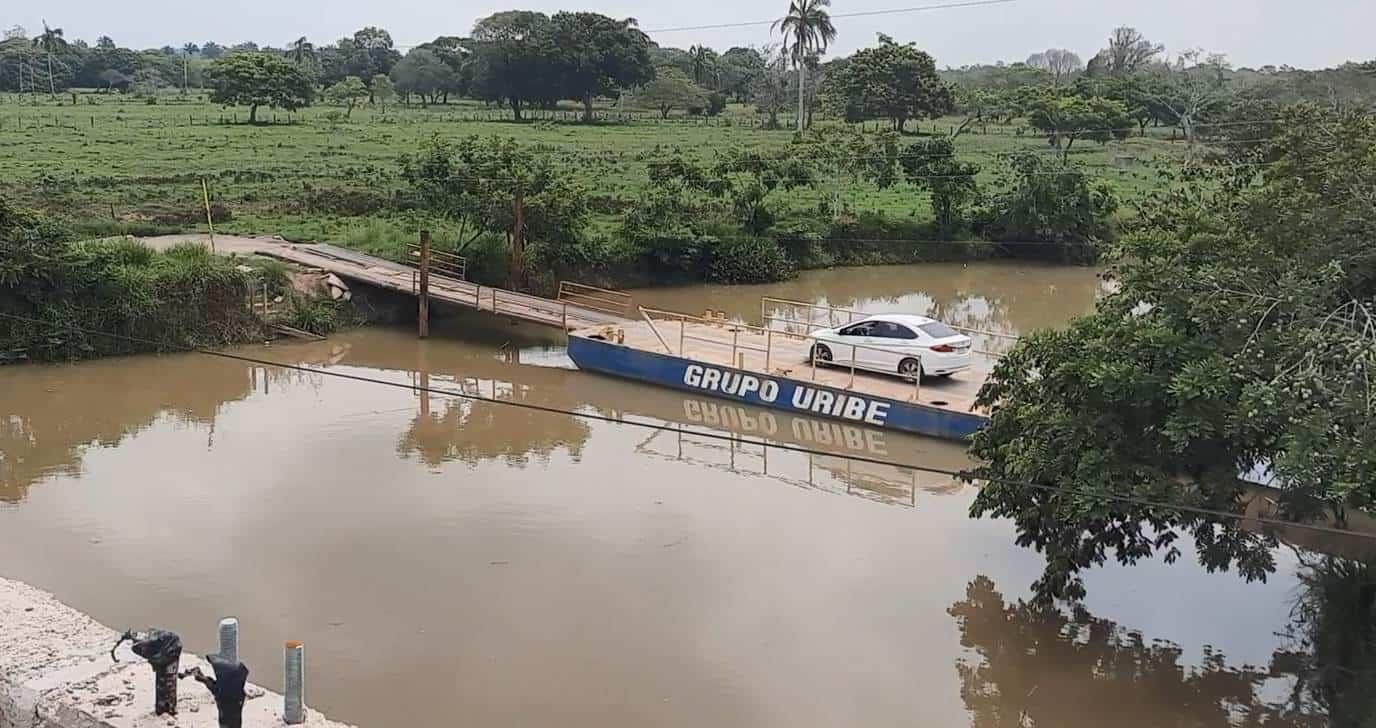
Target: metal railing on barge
{"points": [[739, 348], [848, 316]]}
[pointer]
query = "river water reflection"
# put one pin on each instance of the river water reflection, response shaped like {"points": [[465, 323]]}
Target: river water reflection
{"points": [[451, 561]]}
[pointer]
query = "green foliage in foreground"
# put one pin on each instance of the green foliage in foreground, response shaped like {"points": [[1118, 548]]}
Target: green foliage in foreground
{"points": [[1240, 337], [180, 298]]}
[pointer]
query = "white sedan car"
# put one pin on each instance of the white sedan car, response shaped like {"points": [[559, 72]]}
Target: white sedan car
{"points": [[911, 346]]}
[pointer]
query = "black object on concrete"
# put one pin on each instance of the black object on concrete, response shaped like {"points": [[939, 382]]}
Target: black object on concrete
{"points": [[227, 687], [163, 651]]}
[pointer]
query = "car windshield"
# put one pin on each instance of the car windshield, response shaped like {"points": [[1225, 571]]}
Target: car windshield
{"points": [[938, 330]]}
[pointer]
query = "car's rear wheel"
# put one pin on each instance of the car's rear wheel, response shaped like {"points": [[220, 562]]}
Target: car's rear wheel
{"points": [[821, 353], [911, 368]]}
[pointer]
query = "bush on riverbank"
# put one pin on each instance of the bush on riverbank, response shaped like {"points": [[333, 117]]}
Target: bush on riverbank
{"points": [[71, 297], [749, 260]]}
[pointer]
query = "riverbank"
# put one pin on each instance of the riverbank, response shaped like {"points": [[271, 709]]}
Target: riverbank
{"points": [[56, 672], [64, 299]]}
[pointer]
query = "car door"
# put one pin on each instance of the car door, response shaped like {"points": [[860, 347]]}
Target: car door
{"points": [[887, 340], [851, 338]]}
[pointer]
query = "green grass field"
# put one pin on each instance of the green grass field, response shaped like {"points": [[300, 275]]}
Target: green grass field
{"points": [[109, 163]]}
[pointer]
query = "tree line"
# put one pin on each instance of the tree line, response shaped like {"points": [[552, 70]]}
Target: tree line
{"points": [[521, 59]]}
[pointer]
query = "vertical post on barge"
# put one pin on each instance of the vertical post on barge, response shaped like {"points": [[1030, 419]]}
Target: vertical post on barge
{"points": [[423, 318]]}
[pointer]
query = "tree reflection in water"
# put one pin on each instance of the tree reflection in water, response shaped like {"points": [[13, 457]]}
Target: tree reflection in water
{"points": [[1333, 641], [475, 431], [1067, 668], [1051, 667]]}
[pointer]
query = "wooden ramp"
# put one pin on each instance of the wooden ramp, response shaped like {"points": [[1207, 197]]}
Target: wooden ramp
{"points": [[582, 307]]}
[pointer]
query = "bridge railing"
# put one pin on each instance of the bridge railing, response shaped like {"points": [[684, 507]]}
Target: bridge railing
{"points": [[450, 265], [604, 300]]}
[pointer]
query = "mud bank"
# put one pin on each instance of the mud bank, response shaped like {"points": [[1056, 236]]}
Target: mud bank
{"points": [[56, 672]]}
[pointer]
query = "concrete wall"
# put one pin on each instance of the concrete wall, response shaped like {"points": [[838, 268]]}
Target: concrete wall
{"points": [[56, 672]]}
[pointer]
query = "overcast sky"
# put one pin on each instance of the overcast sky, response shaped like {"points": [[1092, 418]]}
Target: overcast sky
{"points": [[1302, 33]]}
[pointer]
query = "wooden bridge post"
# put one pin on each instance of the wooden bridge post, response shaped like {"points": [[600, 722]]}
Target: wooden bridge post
{"points": [[423, 320]]}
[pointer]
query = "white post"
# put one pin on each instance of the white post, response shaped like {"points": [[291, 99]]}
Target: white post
{"points": [[229, 639], [294, 701]]}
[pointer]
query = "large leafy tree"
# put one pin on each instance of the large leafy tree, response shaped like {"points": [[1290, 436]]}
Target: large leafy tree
{"points": [[347, 93], [1239, 337], [668, 91], [512, 54], [1067, 117], [890, 81], [596, 55], [424, 73], [932, 165], [738, 69], [479, 183], [807, 32], [259, 79]]}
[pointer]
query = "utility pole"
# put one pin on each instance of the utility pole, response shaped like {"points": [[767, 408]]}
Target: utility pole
{"points": [[518, 241], [423, 319], [209, 218]]}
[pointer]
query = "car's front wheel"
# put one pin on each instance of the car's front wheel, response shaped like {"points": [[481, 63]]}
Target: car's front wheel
{"points": [[821, 353], [910, 368]]}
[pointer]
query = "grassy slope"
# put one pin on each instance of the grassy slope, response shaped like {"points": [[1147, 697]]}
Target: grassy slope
{"points": [[146, 161]]}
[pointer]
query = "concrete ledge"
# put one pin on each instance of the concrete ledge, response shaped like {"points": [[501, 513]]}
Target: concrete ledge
{"points": [[56, 672]]}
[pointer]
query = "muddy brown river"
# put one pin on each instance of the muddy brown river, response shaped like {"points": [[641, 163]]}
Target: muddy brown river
{"points": [[451, 562]]}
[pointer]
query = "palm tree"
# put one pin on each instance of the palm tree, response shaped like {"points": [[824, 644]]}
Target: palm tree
{"points": [[704, 63], [807, 32], [302, 50], [50, 42]]}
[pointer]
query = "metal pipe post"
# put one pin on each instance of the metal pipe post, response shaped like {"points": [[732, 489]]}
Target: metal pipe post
{"points": [[735, 336], [294, 693], [768, 348], [229, 639], [424, 316]]}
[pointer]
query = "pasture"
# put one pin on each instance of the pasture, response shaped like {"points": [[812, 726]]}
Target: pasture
{"points": [[110, 163]]}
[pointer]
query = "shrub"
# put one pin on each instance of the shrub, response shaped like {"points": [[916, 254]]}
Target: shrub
{"points": [[343, 201], [1046, 202], [320, 316], [112, 296], [716, 103], [749, 260]]}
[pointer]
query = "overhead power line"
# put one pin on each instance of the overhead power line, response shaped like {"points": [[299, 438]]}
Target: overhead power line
{"points": [[835, 16], [963, 475]]}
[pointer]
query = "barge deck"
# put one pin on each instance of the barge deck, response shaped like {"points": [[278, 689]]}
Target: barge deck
{"points": [[771, 368]]}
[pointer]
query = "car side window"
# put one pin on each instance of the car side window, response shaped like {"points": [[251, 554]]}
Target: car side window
{"points": [[891, 330], [903, 332], [865, 329]]}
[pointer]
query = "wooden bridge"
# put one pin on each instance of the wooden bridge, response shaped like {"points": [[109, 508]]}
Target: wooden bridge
{"points": [[577, 306]]}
